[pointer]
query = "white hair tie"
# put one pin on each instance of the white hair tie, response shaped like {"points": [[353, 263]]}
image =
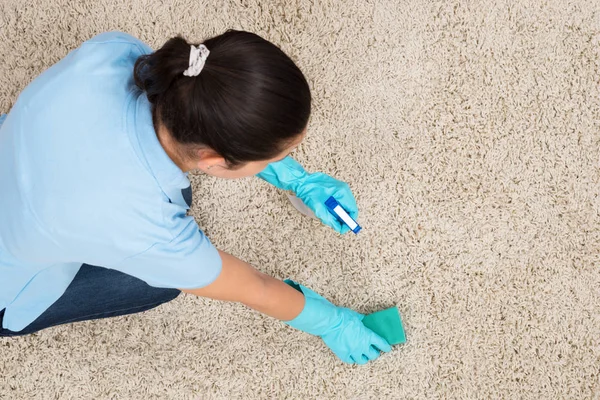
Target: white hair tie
{"points": [[198, 56]]}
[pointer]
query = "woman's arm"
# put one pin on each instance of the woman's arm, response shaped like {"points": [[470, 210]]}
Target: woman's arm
{"points": [[240, 282], [340, 328]]}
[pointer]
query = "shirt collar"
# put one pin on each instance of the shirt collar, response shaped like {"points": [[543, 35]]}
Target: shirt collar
{"points": [[166, 172]]}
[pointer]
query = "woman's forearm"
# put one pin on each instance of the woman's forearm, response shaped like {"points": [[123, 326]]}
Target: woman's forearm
{"points": [[240, 282]]}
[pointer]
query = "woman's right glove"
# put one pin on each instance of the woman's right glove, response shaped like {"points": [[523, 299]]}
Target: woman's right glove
{"points": [[340, 328]]}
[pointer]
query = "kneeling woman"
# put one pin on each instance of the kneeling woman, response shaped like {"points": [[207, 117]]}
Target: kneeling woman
{"points": [[93, 163]]}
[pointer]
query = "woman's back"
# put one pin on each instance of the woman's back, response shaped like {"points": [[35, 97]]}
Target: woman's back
{"points": [[84, 177]]}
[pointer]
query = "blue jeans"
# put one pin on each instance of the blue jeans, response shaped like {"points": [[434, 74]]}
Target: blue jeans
{"points": [[98, 292]]}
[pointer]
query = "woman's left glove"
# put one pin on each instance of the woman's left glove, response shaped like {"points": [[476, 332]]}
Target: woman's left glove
{"points": [[313, 189]]}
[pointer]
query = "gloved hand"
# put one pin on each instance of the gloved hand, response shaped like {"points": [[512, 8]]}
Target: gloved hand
{"points": [[312, 189], [317, 188], [340, 328]]}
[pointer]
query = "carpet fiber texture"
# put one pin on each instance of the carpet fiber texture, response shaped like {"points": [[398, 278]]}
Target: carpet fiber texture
{"points": [[469, 132]]}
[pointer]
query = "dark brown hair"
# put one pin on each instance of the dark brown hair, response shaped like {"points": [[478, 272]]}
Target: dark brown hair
{"points": [[247, 104]]}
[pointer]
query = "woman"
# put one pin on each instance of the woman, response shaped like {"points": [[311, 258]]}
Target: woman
{"points": [[93, 163]]}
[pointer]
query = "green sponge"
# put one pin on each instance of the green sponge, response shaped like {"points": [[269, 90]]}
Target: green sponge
{"points": [[387, 324]]}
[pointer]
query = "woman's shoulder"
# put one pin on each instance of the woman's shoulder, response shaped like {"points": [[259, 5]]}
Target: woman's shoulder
{"points": [[117, 37]]}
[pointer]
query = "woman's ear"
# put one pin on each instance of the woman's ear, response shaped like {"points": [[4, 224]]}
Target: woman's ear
{"points": [[207, 159]]}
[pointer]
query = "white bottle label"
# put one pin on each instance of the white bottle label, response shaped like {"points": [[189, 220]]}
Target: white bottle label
{"points": [[345, 217]]}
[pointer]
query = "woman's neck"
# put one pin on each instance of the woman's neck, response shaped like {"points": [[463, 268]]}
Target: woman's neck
{"points": [[170, 147]]}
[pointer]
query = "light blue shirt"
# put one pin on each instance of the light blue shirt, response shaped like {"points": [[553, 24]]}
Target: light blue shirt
{"points": [[84, 179]]}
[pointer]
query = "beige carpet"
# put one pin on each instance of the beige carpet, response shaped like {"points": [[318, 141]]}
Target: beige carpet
{"points": [[469, 132]]}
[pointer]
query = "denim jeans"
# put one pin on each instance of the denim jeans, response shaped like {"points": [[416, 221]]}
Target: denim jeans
{"points": [[98, 292]]}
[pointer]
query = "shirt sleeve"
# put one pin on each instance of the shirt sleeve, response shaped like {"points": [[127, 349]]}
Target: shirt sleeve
{"points": [[189, 261]]}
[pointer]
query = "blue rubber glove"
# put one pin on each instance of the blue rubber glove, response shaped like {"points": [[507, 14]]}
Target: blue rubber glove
{"points": [[312, 189], [340, 328]]}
